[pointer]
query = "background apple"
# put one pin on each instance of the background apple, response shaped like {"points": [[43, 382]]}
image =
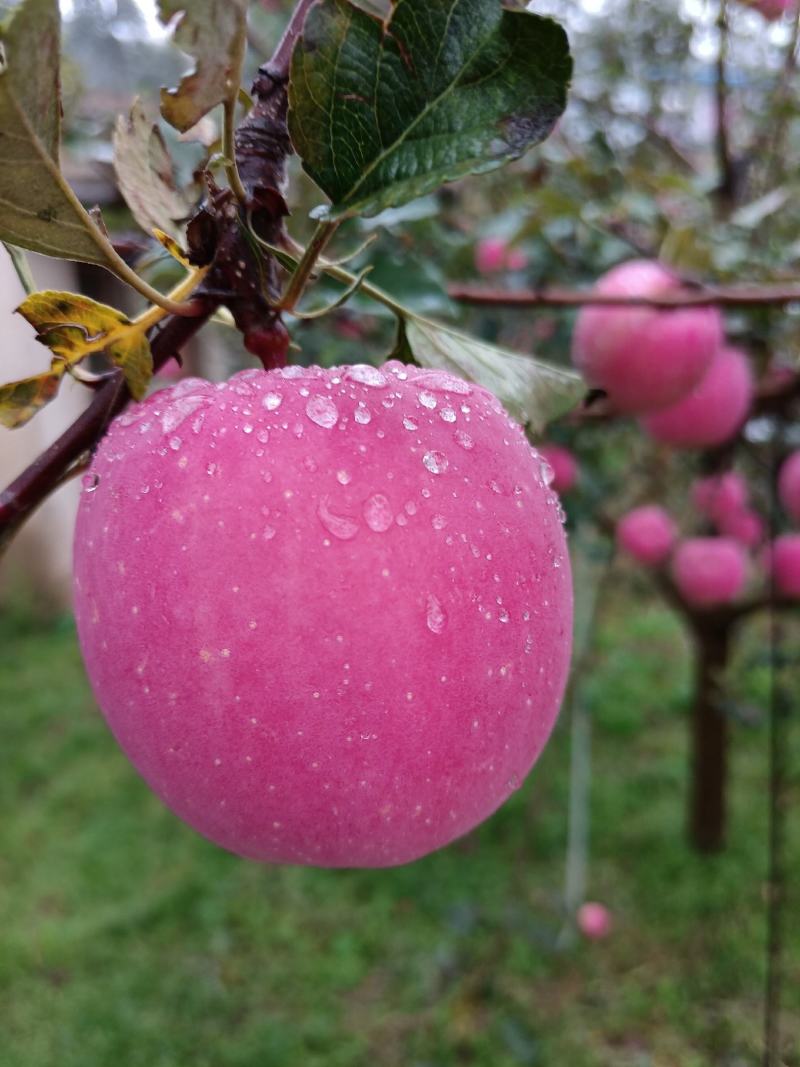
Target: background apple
{"points": [[709, 570], [644, 358]]}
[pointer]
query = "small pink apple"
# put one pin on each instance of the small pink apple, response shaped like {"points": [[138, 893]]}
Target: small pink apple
{"points": [[709, 571], [719, 495], [644, 358], [490, 255], [594, 921], [493, 255], [647, 534], [714, 411], [563, 465], [789, 485], [745, 526], [784, 561]]}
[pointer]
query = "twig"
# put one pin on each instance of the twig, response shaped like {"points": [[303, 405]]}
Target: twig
{"points": [[299, 279], [726, 190], [278, 65], [229, 118], [556, 296]]}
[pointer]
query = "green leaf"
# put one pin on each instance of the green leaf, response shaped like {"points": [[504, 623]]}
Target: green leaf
{"points": [[38, 210], [533, 392], [381, 112], [19, 401], [74, 327], [146, 175], [213, 33]]}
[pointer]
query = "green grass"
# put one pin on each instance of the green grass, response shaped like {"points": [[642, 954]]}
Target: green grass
{"points": [[127, 940]]}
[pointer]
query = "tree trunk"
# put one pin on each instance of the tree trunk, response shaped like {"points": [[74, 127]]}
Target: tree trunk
{"points": [[708, 815]]}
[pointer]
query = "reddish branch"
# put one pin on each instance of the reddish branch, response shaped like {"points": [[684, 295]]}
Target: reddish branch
{"points": [[557, 296], [218, 232]]}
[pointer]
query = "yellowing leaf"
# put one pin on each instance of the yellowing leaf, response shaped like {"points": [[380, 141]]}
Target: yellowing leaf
{"points": [[172, 247], [19, 401], [213, 32], [146, 175], [74, 327]]}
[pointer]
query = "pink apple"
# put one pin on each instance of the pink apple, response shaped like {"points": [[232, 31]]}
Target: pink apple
{"points": [[647, 533], [644, 358], [490, 255], [789, 485], [563, 465], [714, 411], [326, 613], [493, 254], [709, 571], [594, 921], [745, 526], [719, 495], [784, 562], [772, 9]]}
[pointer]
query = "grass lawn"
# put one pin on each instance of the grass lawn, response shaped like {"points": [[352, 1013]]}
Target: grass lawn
{"points": [[128, 941]]}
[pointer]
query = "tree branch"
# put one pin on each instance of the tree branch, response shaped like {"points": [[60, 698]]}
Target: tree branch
{"points": [[726, 189], [558, 296]]}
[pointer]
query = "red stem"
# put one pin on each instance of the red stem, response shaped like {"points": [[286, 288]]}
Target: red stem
{"points": [[279, 64]]}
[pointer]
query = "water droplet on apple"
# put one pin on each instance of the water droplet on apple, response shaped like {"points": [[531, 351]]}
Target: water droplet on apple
{"points": [[436, 462], [341, 526], [366, 375], [378, 513], [322, 411], [435, 615]]}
